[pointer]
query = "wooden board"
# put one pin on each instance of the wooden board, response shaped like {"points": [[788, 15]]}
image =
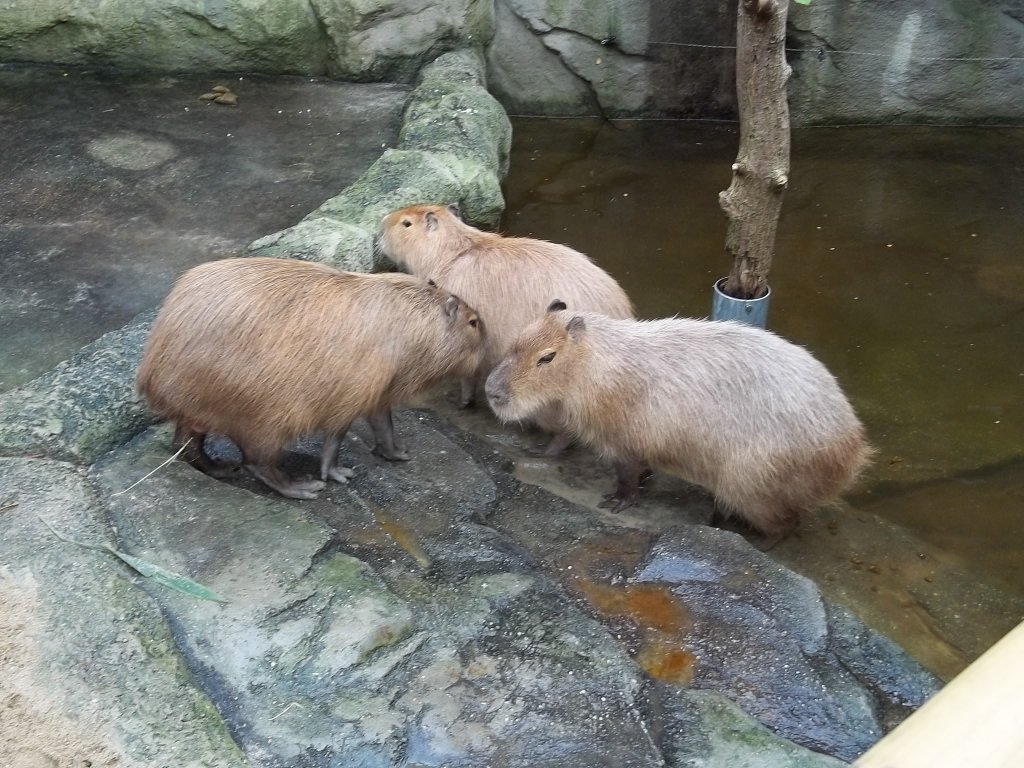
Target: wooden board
{"points": [[976, 721]]}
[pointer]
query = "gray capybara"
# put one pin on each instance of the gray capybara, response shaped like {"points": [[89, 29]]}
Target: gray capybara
{"points": [[751, 417]]}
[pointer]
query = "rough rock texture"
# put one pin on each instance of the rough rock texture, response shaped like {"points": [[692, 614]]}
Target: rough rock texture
{"points": [[89, 663], [943, 60], [453, 147], [431, 613], [556, 58], [948, 60], [83, 407], [876, 61], [382, 39]]}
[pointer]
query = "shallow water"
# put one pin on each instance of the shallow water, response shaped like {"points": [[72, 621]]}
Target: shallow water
{"points": [[898, 264]]}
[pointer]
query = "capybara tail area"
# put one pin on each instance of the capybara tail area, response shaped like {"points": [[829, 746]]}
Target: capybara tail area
{"points": [[772, 496]]}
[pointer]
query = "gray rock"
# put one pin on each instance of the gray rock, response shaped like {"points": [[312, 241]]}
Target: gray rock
{"points": [[318, 660], [948, 60], [346, 40], [752, 630], [84, 406], [90, 660], [943, 60], [762, 635], [899, 684], [703, 729], [553, 58], [388, 40]]}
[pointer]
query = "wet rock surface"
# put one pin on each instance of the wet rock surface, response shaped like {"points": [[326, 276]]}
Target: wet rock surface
{"points": [[440, 612]]}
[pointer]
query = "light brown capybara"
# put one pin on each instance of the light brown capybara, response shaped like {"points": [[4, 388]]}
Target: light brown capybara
{"points": [[510, 280], [265, 350], [751, 417]]}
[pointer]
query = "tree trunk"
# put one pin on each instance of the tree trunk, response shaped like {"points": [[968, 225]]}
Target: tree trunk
{"points": [[760, 174]]}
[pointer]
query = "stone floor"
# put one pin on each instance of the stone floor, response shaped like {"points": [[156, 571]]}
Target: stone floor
{"points": [[111, 187]]}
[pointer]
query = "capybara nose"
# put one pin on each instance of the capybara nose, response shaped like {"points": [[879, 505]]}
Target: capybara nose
{"points": [[495, 396]]}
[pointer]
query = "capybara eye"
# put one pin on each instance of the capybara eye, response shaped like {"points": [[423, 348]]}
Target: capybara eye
{"points": [[406, 223], [546, 359], [474, 323]]}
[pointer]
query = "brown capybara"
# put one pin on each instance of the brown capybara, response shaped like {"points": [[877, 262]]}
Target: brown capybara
{"points": [[753, 418], [511, 280], [265, 350]]}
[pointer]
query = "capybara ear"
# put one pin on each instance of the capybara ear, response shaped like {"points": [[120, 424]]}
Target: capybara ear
{"points": [[451, 307], [453, 209], [431, 219], [556, 305], [575, 328]]}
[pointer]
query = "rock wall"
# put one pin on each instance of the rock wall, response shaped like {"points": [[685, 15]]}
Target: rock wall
{"points": [[853, 60], [859, 61], [366, 40], [940, 60]]}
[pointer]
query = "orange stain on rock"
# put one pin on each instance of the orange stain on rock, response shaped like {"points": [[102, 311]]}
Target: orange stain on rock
{"points": [[667, 662], [661, 621], [650, 606]]}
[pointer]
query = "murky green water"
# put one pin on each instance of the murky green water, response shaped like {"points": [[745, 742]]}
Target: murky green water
{"points": [[898, 263]]}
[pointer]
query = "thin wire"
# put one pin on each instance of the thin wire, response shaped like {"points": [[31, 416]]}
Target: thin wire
{"points": [[828, 52], [152, 472]]}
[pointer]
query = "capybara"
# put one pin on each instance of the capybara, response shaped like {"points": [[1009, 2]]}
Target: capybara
{"points": [[751, 417], [510, 280], [265, 350]]}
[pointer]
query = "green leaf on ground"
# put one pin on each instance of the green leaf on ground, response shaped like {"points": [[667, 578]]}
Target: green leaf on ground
{"points": [[167, 578], [160, 575]]}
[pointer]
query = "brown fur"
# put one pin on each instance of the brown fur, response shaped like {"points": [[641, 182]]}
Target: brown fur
{"points": [[264, 350], [511, 280], [753, 418]]}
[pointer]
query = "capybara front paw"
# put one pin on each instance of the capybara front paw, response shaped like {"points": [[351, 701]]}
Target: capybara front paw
{"points": [[340, 474]]}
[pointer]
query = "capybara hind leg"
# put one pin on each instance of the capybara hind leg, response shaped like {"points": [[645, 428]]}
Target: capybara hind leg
{"points": [[773, 530], [195, 454], [280, 482], [329, 467], [384, 435], [627, 489]]}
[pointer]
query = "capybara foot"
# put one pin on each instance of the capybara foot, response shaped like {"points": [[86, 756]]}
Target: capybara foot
{"points": [[392, 454], [615, 503], [280, 482], [192, 442], [221, 471], [556, 446], [340, 474]]}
